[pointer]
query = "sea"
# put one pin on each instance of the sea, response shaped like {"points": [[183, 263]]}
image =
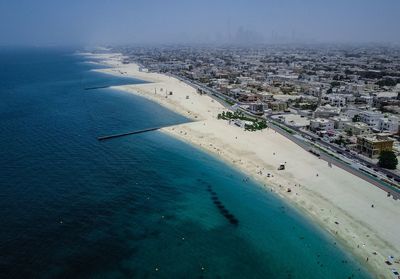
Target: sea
{"points": [[140, 206]]}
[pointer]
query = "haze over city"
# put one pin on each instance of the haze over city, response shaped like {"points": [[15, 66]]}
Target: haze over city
{"points": [[200, 139], [93, 22]]}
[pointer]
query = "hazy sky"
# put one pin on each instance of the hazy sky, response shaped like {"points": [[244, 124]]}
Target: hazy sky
{"points": [[90, 22]]}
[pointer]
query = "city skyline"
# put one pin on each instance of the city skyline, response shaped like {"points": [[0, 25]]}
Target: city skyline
{"points": [[241, 22]]}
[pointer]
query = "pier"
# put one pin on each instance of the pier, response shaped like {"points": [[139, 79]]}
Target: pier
{"points": [[127, 133], [102, 138], [97, 87]]}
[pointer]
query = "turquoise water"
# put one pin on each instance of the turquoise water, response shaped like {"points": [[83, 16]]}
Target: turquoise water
{"points": [[143, 206]]}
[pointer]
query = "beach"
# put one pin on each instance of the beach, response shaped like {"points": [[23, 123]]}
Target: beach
{"points": [[358, 214]]}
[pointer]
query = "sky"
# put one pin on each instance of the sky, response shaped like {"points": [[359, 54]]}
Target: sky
{"points": [[99, 22]]}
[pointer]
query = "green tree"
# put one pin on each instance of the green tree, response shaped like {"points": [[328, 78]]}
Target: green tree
{"points": [[349, 133], [335, 83], [388, 160], [356, 118]]}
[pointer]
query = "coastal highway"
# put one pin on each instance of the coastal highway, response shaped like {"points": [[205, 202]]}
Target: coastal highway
{"points": [[349, 165], [328, 152]]}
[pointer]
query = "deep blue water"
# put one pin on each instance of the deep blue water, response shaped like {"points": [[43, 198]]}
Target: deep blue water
{"points": [[143, 206]]}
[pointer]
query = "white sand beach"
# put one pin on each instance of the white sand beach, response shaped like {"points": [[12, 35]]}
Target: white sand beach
{"points": [[337, 200]]}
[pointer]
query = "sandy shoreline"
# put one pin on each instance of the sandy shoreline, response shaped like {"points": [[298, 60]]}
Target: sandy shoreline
{"points": [[339, 201]]}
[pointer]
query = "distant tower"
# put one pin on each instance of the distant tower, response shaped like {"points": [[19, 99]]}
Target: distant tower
{"points": [[319, 96], [229, 31]]}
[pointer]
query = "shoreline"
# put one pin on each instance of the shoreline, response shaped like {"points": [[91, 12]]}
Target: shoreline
{"points": [[339, 202], [306, 210]]}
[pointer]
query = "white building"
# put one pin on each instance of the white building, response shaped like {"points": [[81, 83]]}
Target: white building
{"points": [[257, 108], [326, 111], [337, 100], [371, 118], [320, 124], [339, 121], [389, 124], [351, 112], [367, 99]]}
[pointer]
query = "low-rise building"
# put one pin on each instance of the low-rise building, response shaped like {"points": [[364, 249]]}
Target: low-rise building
{"points": [[248, 98], [277, 106], [372, 145], [336, 100], [351, 112], [239, 123], [357, 128], [371, 118], [366, 100], [293, 119], [257, 108], [320, 124], [326, 112], [389, 124], [339, 121]]}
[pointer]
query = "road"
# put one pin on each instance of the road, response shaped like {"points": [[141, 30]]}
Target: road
{"points": [[352, 168], [342, 159]]}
